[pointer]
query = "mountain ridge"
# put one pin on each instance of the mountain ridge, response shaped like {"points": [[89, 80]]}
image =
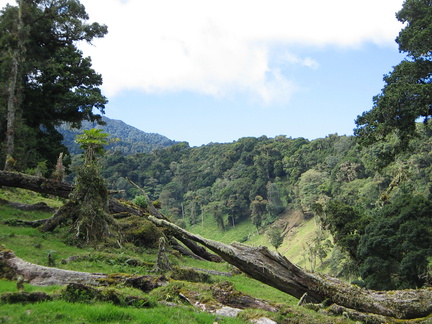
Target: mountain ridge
{"points": [[131, 139]]}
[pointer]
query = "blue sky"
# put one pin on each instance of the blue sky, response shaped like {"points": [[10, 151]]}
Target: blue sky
{"points": [[327, 101], [214, 71]]}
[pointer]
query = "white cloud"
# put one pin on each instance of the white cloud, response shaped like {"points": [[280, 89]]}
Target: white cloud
{"points": [[290, 58], [221, 47]]}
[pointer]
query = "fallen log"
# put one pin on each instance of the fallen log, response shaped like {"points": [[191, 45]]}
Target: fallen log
{"points": [[275, 270], [63, 190], [38, 275], [41, 206], [225, 293], [12, 267], [33, 183]]}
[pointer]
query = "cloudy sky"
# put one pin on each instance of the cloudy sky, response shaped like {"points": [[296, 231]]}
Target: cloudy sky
{"points": [[214, 71]]}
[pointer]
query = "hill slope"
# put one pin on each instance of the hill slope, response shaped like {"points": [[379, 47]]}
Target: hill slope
{"points": [[132, 140]]}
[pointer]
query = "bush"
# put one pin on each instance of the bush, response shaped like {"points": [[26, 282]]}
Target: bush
{"points": [[140, 201]]}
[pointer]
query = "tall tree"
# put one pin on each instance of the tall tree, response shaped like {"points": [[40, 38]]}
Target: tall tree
{"points": [[407, 94], [12, 54], [258, 208], [48, 79]]}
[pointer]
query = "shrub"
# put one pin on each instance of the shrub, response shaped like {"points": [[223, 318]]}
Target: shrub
{"points": [[140, 201]]}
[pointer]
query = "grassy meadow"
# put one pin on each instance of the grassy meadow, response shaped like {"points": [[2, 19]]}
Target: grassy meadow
{"points": [[164, 304]]}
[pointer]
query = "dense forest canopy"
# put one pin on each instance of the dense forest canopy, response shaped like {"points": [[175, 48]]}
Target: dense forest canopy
{"points": [[45, 79], [331, 178]]}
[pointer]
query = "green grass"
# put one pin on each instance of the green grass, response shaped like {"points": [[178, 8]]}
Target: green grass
{"points": [[10, 286], [293, 249], [28, 197], [34, 246], [63, 312], [239, 233], [259, 290]]}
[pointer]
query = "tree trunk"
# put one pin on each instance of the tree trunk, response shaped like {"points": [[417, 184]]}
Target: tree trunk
{"points": [[34, 274], [275, 270], [11, 112], [13, 268], [12, 90], [37, 184]]}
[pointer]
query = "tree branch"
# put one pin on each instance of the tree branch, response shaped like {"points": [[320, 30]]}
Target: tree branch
{"points": [[275, 270]]}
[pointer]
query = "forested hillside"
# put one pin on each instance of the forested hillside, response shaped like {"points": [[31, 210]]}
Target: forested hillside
{"points": [[371, 194], [130, 139], [332, 179], [281, 171]]}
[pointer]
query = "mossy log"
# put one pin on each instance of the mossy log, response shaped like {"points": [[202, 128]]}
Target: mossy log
{"points": [[275, 270], [54, 188], [37, 184], [225, 293], [40, 206], [12, 267]]}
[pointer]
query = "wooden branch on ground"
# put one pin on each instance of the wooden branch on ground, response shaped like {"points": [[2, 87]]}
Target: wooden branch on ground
{"points": [[40, 275], [41, 206], [37, 184], [275, 270], [13, 267]]}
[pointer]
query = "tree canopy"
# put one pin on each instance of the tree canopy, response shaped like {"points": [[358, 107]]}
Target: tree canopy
{"points": [[407, 94], [54, 82], [395, 247]]}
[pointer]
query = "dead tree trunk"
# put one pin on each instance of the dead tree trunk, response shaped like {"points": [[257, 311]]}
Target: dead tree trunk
{"points": [[34, 274], [33, 183], [275, 270], [14, 268]]}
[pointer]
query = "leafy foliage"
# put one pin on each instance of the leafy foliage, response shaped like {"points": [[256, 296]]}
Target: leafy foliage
{"points": [[55, 83], [407, 93], [275, 236], [397, 244], [92, 142], [345, 224]]}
